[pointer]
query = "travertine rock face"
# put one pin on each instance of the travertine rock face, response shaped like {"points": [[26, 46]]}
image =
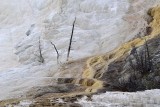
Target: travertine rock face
{"points": [[101, 26], [120, 99], [98, 24]]}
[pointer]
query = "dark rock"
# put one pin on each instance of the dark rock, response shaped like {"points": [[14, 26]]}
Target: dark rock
{"points": [[75, 105], [157, 79], [39, 91]]}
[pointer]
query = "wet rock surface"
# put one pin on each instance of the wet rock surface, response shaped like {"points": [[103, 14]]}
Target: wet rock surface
{"points": [[40, 91]]}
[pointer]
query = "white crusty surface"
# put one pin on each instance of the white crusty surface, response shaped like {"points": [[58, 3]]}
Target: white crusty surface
{"points": [[101, 26]]}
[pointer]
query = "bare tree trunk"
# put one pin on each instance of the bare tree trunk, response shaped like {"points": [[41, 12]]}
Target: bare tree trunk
{"points": [[40, 52], [56, 52], [70, 43], [150, 63]]}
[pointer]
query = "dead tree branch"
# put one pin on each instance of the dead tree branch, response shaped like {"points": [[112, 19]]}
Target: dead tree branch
{"points": [[143, 62], [56, 52], [40, 52], [70, 43]]}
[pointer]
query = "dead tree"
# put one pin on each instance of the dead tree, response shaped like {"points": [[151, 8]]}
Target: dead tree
{"points": [[41, 59], [70, 43], [143, 62], [56, 52]]}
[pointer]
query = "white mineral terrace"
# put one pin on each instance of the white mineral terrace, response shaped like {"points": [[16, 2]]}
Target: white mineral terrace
{"points": [[101, 26]]}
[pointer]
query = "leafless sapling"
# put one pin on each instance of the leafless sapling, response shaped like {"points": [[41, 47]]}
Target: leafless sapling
{"points": [[70, 43], [41, 59], [56, 52], [143, 62]]}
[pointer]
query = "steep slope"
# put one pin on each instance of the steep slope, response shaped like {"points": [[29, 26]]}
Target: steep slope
{"points": [[99, 24], [97, 70]]}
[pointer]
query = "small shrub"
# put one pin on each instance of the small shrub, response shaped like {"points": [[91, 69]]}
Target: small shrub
{"points": [[131, 85], [141, 62], [140, 70]]}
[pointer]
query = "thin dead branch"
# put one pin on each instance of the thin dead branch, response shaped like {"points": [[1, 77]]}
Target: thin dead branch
{"points": [[143, 62], [56, 52], [70, 43], [41, 59]]}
